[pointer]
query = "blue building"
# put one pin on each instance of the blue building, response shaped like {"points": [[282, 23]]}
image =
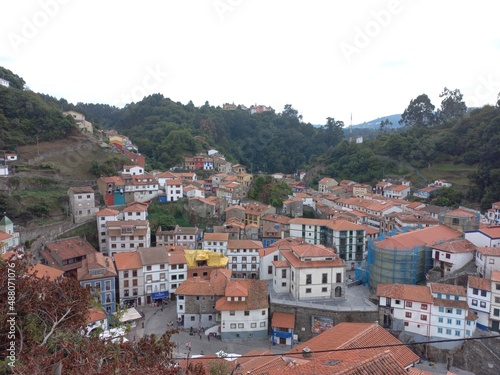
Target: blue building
{"points": [[98, 273], [282, 327]]}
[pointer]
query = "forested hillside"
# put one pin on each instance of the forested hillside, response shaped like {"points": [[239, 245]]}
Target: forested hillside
{"points": [[269, 142]]}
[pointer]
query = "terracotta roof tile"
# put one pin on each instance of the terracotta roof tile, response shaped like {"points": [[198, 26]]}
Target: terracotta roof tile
{"points": [[256, 299], [244, 244], [417, 293], [127, 260], [40, 270], [93, 262], [489, 250], [456, 290], [456, 246], [421, 237], [283, 320], [450, 303], [479, 283], [215, 237]]}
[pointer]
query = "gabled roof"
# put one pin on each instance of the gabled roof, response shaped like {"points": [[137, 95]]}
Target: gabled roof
{"points": [[420, 237], [456, 290], [489, 251], [479, 283], [283, 320], [153, 255], [127, 260], [456, 246], [81, 189], [417, 293], [40, 270], [244, 244], [215, 237], [136, 207], [69, 248], [357, 335], [96, 266], [94, 315], [107, 212], [117, 180], [256, 298], [176, 257], [491, 231]]}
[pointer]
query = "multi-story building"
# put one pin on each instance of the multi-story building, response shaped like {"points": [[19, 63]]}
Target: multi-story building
{"points": [[487, 260], [274, 228], [140, 188], [66, 254], [82, 204], [128, 235], [479, 299], [103, 216], [135, 211], [243, 310], [495, 301], [196, 299], [450, 317], [493, 214], [452, 255], [112, 190], [173, 190], [326, 183], [177, 270], [244, 258], [98, 273], [216, 242], [254, 211], [188, 237], [309, 272], [405, 307], [155, 271], [130, 278], [484, 236]]}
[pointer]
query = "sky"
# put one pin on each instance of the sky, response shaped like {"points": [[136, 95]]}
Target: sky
{"points": [[327, 58]]}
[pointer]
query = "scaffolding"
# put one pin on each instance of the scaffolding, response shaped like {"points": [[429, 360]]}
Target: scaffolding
{"points": [[390, 266]]}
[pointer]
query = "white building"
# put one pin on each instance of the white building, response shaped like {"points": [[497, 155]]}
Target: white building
{"points": [[452, 255], [309, 272], [177, 270], [189, 237], [487, 260], [479, 299], [495, 301], [243, 310], [216, 242], [127, 235], [133, 170], [450, 318], [140, 188], [103, 216], [135, 211], [155, 271], [486, 236], [244, 258], [173, 190], [130, 278], [406, 307]]}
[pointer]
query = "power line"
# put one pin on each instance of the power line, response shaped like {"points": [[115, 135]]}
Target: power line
{"points": [[356, 348]]}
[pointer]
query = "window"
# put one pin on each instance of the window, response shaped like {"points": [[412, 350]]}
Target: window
{"points": [[125, 274], [475, 291], [497, 299], [283, 273], [483, 293], [397, 302], [459, 311], [448, 331], [449, 321], [423, 317], [283, 285], [263, 312], [324, 290], [308, 290], [440, 320], [474, 302], [496, 312], [269, 270], [423, 306], [148, 268], [448, 256], [253, 325], [458, 322], [408, 314], [408, 304], [491, 261], [407, 324], [449, 311], [125, 283], [247, 313], [192, 318], [339, 277], [262, 324], [440, 330], [134, 273], [231, 313], [308, 280], [241, 325], [232, 326], [457, 333], [162, 266], [324, 278]]}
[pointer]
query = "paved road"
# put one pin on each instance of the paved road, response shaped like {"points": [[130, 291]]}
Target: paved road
{"points": [[155, 321]]}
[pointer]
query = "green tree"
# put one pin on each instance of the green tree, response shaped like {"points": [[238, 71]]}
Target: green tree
{"points": [[419, 113], [384, 124], [452, 105]]}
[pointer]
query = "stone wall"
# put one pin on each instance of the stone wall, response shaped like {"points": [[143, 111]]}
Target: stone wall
{"points": [[304, 316]]}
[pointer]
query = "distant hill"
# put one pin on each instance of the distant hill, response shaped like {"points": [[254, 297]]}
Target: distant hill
{"points": [[375, 124]]}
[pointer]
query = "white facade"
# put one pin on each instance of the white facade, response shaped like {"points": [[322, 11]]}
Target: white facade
{"points": [[487, 260], [250, 321], [451, 261], [310, 283], [177, 273], [479, 301], [266, 263], [244, 258], [490, 237], [103, 217], [495, 302], [128, 235], [216, 242], [409, 314], [173, 190], [133, 169]]}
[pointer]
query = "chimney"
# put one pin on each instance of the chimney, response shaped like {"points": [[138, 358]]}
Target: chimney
{"points": [[306, 352]]}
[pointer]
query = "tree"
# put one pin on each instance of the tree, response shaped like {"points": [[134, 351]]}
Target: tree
{"points": [[452, 105], [384, 124], [289, 111], [419, 113], [498, 100]]}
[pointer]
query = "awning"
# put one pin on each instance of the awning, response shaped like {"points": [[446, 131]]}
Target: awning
{"points": [[159, 295], [214, 329], [129, 315]]}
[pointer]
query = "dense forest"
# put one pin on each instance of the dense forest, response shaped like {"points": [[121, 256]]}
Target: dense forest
{"points": [[269, 142]]}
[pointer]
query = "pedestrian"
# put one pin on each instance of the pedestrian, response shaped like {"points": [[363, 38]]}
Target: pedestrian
{"points": [[208, 337], [200, 336]]}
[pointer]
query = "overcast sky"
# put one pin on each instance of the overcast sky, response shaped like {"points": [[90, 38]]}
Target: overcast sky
{"points": [[326, 58]]}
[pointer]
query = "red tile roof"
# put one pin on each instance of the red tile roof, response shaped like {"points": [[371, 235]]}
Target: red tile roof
{"points": [[107, 212], [420, 237], [479, 283], [456, 246], [357, 335], [489, 250], [216, 237], [256, 298], [39, 270], [455, 290], [491, 231], [283, 320], [96, 261], [418, 293], [127, 260]]}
